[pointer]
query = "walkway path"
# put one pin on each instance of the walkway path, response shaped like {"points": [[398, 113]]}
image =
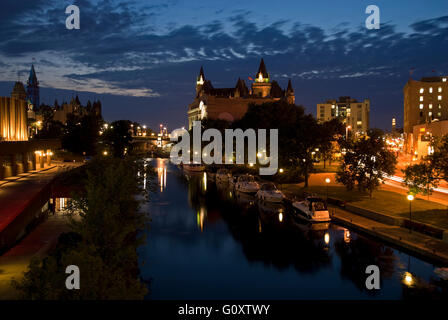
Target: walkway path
{"points": [[37, 244]]}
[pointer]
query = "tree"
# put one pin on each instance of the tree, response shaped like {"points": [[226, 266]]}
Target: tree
{"points": [[297, 132], [103, 241], [118, 137], [329, 133], [420, 178], [366, 162], [82, 133], [439, 158]]}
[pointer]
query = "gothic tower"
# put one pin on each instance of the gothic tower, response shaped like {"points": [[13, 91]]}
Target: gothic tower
{"points": [[33, 89], [262, 86], [200, 81]]}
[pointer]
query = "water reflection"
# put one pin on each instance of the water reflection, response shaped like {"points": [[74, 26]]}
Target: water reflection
{"points": [[208, 241], [161, 173]]}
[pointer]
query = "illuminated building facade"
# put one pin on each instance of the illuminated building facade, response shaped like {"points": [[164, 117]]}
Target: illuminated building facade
{"points": [[425, 102], [231, 104], [354, 114]]}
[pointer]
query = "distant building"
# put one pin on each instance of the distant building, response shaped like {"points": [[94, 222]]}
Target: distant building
{"points": [[74, 107], [17, 153], [13, 119], [355, 115], [33, 89], [423, 135], [425, 101], [232, 103]]}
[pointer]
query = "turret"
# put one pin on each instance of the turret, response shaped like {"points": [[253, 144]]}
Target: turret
{"points": [[261, 87], [200, 80]]}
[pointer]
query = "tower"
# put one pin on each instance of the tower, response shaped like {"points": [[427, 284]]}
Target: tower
{"points": [[262, 86], [200, 80], [290, 97], [33, 88], [18, 92]]}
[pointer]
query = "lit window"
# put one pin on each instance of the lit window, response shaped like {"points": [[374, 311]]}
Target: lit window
{"points": [[439, 98], [429, 113], [444, 79], [439, 114], [430, 106], [422, 90], [440, 106], [440, 89], [421, 98], [430, 90], [421, 106]]}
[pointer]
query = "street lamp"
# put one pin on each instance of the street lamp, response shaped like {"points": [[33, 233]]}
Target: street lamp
{"points": [[281, 171], [327, 181], [346, 131], [410, 198]]}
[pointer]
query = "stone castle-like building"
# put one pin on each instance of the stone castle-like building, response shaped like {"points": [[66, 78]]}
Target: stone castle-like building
{"points": [[231, 104]]}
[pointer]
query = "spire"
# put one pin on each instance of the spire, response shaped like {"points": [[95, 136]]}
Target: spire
{"points": [[32, 79], [201, 77], [289, 89], [262, 75]]}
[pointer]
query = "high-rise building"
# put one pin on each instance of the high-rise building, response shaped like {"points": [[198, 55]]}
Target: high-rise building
{"points": [[33, 89], [425, 101], [354, 114], [232, 103]]}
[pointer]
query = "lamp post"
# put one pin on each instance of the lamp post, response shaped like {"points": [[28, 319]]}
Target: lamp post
{"points": [[281, 171], [410, 198], [346, 132], [327, 181]]}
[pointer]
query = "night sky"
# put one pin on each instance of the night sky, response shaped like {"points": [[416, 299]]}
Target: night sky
{"points": [[141, 58]]}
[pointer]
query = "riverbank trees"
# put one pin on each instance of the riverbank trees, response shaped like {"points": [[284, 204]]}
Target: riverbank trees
{"points": [[366, 162], [425, 176], [105, 234]]}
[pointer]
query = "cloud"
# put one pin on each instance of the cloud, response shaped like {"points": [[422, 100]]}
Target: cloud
{"points": [[125, 48]]}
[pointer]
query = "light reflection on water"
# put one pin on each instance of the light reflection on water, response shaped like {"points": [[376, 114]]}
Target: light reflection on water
{"points": [[208, 242]]}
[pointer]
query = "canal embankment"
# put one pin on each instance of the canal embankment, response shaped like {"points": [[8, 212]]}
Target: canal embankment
{"points": [[424, 234], [24, 201]]}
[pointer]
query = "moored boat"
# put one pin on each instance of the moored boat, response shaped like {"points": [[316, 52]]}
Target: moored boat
{"points": [[268, 192], [247, 184], [312, 209]]}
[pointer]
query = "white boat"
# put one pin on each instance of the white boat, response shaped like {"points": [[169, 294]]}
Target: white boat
{"points": [[269, 193], [247, 184], [223, 175], [312, 209], [194, 167]]}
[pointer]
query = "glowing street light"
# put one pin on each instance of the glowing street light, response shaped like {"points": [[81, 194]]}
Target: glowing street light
{"points": [[346, 131], [327, 238], [410, 198], [327, 182], [408, 279]]}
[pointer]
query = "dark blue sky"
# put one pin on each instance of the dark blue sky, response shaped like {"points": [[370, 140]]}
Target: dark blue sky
{"points": [[141, 57]]}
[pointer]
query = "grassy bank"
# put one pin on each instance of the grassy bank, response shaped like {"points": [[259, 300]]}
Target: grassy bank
{"points": [[386, 202]]}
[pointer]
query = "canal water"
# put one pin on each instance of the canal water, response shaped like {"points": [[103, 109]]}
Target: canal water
{"points": [[206, 242]]}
